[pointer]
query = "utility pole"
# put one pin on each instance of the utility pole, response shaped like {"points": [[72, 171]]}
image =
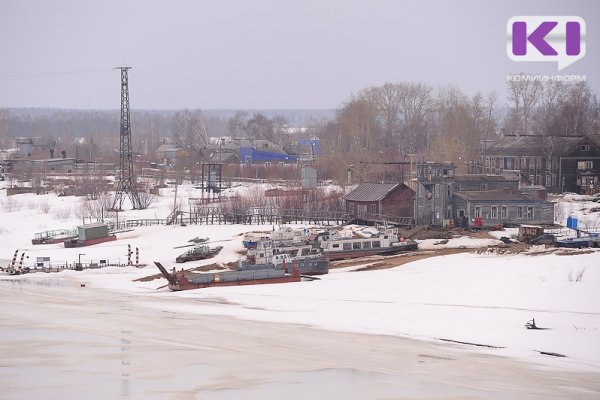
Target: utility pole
{"points": [[126, 185]]}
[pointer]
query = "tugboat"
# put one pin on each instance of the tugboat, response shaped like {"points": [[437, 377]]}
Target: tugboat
{"points": [[185, 280], [201, 251]]}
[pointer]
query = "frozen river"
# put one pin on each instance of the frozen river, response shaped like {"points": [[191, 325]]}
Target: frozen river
{"points": [[63, 341]]}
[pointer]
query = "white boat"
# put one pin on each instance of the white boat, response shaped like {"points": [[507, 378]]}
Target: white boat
{"points": [[386, 242]]}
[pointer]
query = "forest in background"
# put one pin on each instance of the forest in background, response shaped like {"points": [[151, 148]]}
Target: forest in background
{"points": [[391, 122]]}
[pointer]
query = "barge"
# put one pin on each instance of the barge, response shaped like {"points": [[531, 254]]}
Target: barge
{"points": [[186, 280]]}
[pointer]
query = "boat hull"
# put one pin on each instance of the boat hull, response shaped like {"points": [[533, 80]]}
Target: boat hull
{"points": [[318, 266], [306, 266], [191, 256], [190, 280], [349, 254]]}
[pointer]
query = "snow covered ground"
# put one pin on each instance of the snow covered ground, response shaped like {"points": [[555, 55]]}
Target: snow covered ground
{"points": [[476, 298]]}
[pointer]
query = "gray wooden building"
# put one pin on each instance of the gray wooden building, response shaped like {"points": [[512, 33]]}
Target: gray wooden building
{"points": [[560, 163], [501, 206], [437, 183]]}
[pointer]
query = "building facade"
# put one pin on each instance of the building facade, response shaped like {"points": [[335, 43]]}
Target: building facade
{"points": [[376, 201], [560, 163], [501, 206], [441, 198]]}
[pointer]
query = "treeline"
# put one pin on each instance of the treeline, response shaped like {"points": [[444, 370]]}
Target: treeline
{"points": [[414, 121], [388, 123]]}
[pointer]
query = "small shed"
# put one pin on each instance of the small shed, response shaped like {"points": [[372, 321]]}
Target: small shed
{"points": [[373, 200], [92, 231]]}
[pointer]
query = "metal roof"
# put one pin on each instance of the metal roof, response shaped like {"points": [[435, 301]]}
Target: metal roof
{"points": [[497, 195], [534, 145], [91, 226], [371, 191]]}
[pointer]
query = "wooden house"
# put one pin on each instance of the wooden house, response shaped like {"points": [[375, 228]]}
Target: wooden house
{"points": [[376, 201], [560, 163], [501, 206]]}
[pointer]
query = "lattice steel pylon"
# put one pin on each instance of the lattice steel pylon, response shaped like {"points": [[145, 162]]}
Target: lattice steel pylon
{"points": [[126, 186]]}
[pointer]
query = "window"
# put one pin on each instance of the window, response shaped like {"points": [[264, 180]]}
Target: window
{"points": [[477, 213], [437, 191], [351, 208], [457, 188], [503, 212], [494, 212], [347, 246], [523, 163], [374, 208], [449, 212], [530, 214], [585, 147], [584, 165], [356, 246], [366, 245], [336, 246], [483, 186], [520, 212], [449, 190], [376, 244]]}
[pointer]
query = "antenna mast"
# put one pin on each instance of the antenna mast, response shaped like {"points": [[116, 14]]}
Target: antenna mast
{"points": [[126, 185]]}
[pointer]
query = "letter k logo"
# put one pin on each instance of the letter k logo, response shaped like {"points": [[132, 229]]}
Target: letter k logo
{"points": [[536, 38], [560, 39]]}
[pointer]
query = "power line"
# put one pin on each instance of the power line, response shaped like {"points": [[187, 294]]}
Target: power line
{"points": [[49, 74]]}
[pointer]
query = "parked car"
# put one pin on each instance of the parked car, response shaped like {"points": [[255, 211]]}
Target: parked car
{"points": [[546, 238]]}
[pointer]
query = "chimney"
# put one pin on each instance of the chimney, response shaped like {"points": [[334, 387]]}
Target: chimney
{"points": [[51, 153], [64, 153]]}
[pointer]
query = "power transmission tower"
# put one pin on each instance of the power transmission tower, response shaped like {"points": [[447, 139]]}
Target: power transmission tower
{"points": [[126, 185]]}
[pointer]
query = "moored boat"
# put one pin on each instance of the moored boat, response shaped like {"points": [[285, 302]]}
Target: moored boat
{"points": [[199, 252], [384, 243], [186, 280], [307, 265], [277, 254]]}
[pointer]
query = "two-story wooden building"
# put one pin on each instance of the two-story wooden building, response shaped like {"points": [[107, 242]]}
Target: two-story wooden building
{"points": [[444, 198], [560, 163]]}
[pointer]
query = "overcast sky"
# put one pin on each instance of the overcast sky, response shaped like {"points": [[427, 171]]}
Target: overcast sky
{"points": [[261, 54]]}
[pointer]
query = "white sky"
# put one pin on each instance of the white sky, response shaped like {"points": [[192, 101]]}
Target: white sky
{"points": [[262, 53]]}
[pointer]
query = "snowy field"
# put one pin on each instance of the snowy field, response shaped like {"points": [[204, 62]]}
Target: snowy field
{"points": [[482, 299]]}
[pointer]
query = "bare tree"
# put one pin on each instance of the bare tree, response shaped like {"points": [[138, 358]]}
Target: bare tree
{"points": [[146, 198], [415, 102], [525, 95], [237, 124], [189, 129]]}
